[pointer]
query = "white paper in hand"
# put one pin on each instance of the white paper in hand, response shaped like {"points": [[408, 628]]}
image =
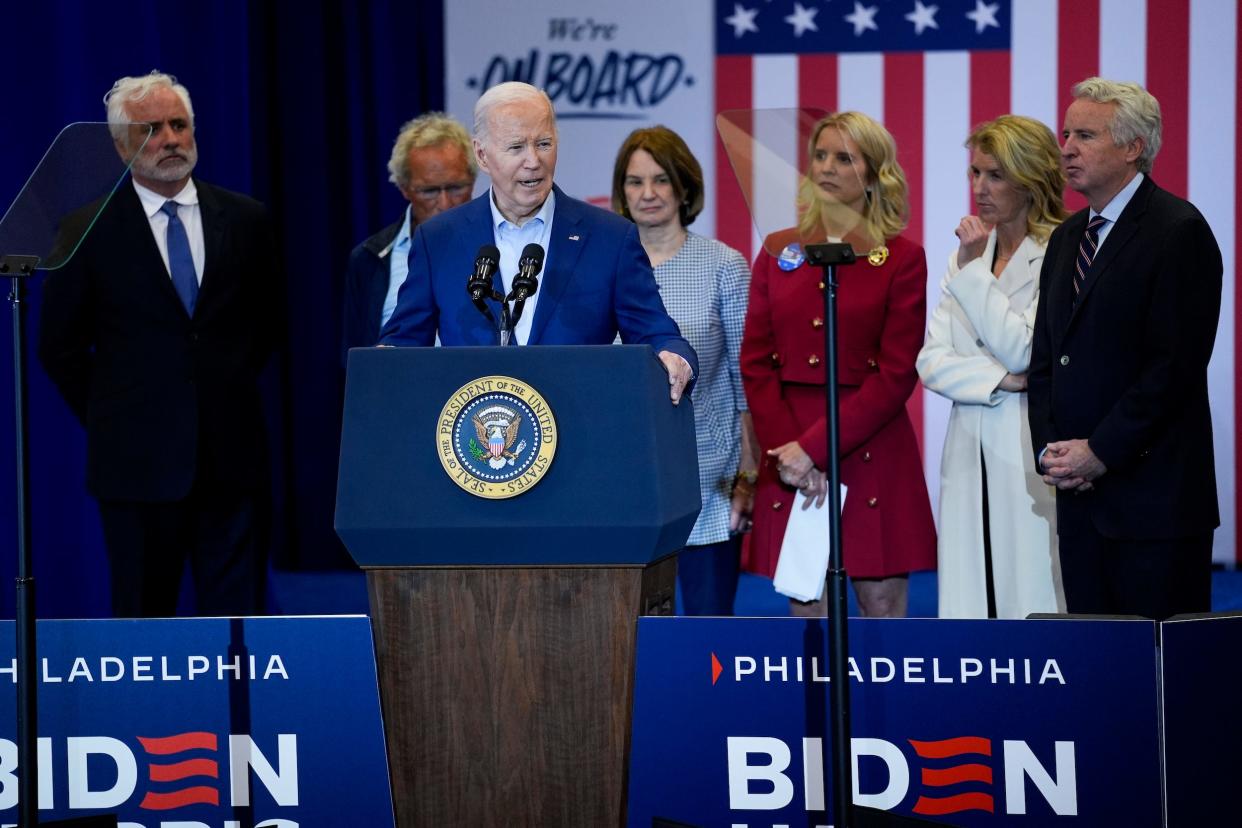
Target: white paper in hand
{"points": [[803, 564]]}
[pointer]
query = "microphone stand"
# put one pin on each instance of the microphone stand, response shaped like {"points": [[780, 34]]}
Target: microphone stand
{"points": [[827, 257], [480, 292], [506, 321], [526, 282], [519, 305], [519, 296]]}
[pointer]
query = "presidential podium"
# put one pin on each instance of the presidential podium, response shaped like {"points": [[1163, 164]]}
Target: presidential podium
{"points": [[516, 510]]}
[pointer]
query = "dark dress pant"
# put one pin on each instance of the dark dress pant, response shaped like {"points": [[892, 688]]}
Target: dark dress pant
{"points": [[216, 532], [1152, 578], [708, 577]]}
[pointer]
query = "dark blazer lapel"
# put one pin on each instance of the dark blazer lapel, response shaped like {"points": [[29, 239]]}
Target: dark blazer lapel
{"points": [[475, 232], [566, 242], [1118, 238], [215, 228], [380, 246], [145, 256], [1061, 287]]}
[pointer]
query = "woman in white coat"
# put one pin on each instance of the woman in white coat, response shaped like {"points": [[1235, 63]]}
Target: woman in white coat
{"points": [[997, 534]]}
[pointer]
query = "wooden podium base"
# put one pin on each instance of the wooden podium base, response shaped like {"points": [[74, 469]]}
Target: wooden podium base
{"points": [[507, 692]]}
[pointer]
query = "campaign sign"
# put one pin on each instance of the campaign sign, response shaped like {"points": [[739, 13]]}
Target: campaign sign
{"points": [[1202, 681], [607, 67], [969, 723], [203, 723]]}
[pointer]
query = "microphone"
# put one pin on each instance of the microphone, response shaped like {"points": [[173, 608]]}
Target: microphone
{"points": [[479, 285], [526, 282]]}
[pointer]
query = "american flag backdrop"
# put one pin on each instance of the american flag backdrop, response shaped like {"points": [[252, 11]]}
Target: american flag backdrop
{"points": [[931, 70]]}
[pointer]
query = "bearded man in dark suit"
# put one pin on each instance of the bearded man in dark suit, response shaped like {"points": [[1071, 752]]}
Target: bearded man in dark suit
{"points": [[155, 334], [1129, 301]]}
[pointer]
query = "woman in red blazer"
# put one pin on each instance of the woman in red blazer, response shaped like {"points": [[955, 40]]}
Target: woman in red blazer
{"points": [[854, 191]]}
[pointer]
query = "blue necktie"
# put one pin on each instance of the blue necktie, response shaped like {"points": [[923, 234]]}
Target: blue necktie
{"points": [[180, 262]]}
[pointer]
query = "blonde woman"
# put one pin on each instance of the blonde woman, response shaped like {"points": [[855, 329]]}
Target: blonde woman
{"points": [[998, 549], [855, 191]]}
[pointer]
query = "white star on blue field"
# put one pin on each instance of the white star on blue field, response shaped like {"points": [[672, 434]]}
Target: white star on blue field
{"points": [[825, 26]]}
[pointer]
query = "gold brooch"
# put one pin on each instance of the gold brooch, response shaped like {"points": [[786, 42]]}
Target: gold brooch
{"points": [[877, 255]]}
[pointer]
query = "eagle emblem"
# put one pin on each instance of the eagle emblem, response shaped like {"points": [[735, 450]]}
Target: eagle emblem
{"points": [[496, 430], [496, 437]]}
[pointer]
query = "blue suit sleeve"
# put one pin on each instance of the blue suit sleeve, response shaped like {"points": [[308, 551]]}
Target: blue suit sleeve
{"points": [[641, 316]]}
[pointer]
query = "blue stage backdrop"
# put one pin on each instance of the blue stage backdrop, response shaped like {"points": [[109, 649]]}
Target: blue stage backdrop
{"points": [[297, 104]]}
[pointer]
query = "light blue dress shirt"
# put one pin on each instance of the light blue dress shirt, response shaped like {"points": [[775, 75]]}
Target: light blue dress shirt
{"points": [[510, 241], [398, 268]]}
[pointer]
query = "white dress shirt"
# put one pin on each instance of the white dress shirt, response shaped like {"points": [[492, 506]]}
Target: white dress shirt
{"points": [[191, 218]]}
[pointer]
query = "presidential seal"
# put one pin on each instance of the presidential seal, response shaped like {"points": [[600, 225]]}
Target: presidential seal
{"points": [[496, 437]]}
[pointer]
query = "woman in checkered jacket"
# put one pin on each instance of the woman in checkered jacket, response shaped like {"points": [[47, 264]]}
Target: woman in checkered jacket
{"points": [[658, 184]]}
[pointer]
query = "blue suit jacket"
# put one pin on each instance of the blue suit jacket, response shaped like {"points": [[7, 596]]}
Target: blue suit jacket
{"points": [[598, 283]]}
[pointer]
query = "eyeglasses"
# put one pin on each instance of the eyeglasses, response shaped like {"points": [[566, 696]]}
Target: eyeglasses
{"points": [[454, 190]]}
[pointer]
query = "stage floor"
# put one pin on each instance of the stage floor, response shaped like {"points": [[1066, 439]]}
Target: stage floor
{"points": [[314, 593]]}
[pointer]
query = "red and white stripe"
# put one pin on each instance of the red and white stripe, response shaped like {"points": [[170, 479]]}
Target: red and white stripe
{"points": [[1183, 51]]}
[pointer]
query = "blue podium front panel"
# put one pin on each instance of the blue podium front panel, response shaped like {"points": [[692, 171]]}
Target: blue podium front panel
{"points": [[622, 488], [973, 723], [219, 722]]}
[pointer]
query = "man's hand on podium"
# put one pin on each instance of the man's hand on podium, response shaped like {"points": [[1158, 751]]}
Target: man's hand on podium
{"points": [[679, 374]]}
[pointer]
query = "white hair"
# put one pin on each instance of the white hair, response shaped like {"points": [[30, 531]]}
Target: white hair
{"points": [[509, 92], [1137, 114], [135, 89]]}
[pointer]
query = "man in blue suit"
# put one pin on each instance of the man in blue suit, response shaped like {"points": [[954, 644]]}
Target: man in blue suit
{"points": [[596, 279]]}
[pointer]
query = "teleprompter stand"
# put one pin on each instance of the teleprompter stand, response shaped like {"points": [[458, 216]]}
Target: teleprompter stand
{"points": [[41, 230]]}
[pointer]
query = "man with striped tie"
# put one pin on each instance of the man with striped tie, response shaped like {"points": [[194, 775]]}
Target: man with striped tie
{"points": [[155, 333], [1129, 300]]}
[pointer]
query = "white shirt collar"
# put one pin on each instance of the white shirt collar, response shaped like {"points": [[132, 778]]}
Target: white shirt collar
{"points": [[1113, 209], [153, 201]]}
